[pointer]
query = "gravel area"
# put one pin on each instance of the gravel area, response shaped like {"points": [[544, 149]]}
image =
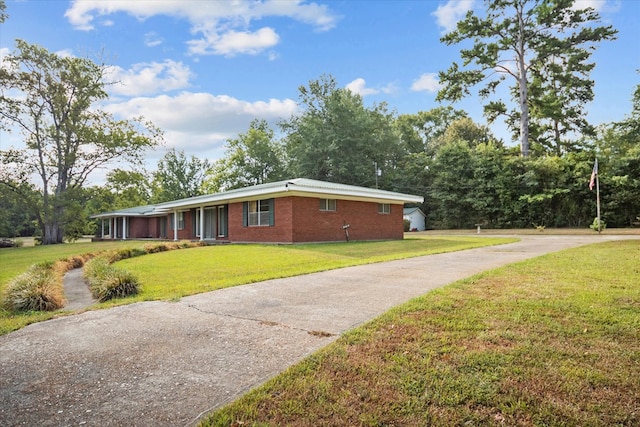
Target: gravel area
{"points": [[169, 363]]}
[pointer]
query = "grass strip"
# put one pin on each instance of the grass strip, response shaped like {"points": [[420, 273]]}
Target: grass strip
{"points": [[549, 341]]}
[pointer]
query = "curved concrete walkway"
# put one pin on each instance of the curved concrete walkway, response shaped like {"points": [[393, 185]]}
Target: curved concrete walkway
{"points": [[77, 291], [168, 363]]}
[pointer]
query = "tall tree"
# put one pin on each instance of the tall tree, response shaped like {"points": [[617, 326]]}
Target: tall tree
{"points": [[337, 138], [419, 131], [559, 92], [178, 177], [629, 128], [3, 13], [514, 38], [254, 157], [51, 101], [17, 217], [465, 130], [129, 187]]}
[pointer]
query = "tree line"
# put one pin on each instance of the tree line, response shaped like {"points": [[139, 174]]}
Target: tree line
{"points": [[466, 174]]}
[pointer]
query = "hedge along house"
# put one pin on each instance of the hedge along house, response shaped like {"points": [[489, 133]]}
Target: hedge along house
{"points": [[298, 210]]}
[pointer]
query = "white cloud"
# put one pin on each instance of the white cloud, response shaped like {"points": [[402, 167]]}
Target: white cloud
{"points": [[597, 5], [152, 39], [200, 123], [224, 25], [359, 86], [149, 78], [234, 42], [65, 53], [428, 82], [448, 15]]}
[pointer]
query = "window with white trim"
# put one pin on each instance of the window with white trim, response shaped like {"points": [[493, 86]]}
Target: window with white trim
{"points": [[384, 208], [328, 205], [258, 213]]}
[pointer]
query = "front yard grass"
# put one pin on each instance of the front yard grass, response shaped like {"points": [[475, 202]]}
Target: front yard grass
{"points": [[174, 274], [171, 275], [550, 341]]}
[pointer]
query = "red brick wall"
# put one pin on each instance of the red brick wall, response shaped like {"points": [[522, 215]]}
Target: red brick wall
{"points": [[365, 223], [299, 219], [280, 232], [138, 228]]}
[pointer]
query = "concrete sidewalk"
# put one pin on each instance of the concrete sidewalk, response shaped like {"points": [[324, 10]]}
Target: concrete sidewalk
{"points": [[168, 363]]}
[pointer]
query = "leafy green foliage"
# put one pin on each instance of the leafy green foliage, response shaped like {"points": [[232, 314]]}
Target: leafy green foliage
{"points": [[178, 177], [254, 157], [51, 99], [3, 14], [420, 132], [598, 225], [544, 47], [17, 217], [338, 139]]}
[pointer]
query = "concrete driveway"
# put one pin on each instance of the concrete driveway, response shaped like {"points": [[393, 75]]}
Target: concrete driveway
{"points": [[169, 363]]}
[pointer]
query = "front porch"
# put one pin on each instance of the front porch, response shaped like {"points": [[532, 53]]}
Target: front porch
{"points": [[203, 223]]}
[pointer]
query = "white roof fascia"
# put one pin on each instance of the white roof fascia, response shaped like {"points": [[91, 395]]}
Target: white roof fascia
{"points": [[296, 187], [300, 187]]}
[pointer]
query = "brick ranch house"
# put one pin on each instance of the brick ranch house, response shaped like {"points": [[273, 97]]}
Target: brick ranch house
{"points": [[297, 210]]}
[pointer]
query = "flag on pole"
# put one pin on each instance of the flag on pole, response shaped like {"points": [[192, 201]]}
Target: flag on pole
{"points": [[594, 173]]}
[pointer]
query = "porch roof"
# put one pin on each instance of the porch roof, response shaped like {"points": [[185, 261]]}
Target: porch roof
{"points": [[301, 187]]}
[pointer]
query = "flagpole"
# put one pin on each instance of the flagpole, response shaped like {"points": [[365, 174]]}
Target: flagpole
{"points": [[595, 180], [598, 200]]}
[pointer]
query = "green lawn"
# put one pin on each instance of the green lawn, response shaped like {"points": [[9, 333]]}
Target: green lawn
{"points": [[173, 274], [553, 341], [14, 261], [170, 275]]}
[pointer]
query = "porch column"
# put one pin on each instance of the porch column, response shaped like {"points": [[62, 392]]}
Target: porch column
{"points": [[124, 228], [201, 225], [102, 227], [175, 225]]}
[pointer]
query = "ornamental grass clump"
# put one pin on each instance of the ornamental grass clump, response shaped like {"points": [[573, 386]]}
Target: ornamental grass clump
{"points": [[107, 282], [38, 289]]}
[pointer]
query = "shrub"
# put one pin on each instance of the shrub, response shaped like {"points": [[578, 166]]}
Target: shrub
{"points": [[107, 282], [594, 225], [38, 289]]}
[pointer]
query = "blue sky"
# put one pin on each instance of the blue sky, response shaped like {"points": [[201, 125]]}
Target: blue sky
{"points": [[202, 70]]}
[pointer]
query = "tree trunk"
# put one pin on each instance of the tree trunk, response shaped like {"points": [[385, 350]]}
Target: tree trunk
{"points": [[522, 88]]}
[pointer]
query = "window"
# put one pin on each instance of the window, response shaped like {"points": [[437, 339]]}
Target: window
{"points": [[327, 204], [258, 213], [180, 221], [384, 208]]}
